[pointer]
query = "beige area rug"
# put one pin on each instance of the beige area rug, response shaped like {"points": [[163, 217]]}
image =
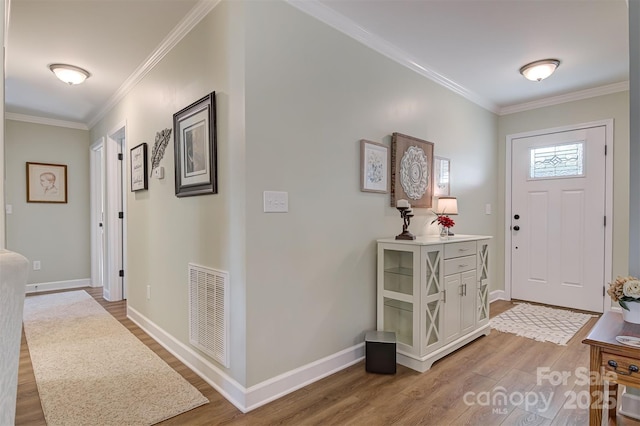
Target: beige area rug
{"points": [[540, 323], [90, 370]]}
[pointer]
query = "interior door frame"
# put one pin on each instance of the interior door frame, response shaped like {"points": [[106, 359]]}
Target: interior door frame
{"points": [[114, 288], [97, 166], [608, 231]]}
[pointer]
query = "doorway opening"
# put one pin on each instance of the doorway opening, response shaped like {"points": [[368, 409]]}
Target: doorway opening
{"points": [[108, 229]]}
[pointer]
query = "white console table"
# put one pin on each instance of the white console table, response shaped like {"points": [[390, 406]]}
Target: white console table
{"points": [[434, 294]]}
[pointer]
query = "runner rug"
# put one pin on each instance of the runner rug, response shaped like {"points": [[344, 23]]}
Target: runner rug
{"points": [[540, 323], [90, 370]]}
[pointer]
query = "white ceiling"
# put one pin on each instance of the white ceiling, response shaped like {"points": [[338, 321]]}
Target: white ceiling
{"points": [[474, 47]]}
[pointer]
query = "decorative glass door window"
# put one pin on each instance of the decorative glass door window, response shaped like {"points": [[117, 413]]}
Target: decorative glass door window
{"points": [[557, 161]]}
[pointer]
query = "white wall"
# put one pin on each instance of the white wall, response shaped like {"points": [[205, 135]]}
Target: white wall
{"points": [[311, 94], [614, 106], [55, 234]]}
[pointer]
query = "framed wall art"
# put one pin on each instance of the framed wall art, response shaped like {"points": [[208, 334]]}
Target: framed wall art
{"points": [[194, 130], [374, 167], [46, 183], [411, 170], [138, 166], [441, 174]]}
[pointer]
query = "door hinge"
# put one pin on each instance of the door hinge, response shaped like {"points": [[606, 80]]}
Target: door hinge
{"points": [[120, 215], [121, 273], [605, 221], [120, 156], [605, 150], [603, 291]]}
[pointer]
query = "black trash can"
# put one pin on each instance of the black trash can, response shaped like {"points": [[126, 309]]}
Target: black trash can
{"points": [[380, 352]]}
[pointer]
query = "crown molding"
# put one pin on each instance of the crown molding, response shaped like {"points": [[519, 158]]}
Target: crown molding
{"points": [[195, 15], [327, 15], [569, 97], [335, 20], [47, 121]]}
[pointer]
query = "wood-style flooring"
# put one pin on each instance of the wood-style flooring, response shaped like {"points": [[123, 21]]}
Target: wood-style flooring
{"points": [[458, 390]]}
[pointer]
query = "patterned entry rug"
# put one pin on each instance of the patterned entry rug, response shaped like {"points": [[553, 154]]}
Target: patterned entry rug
{"points": [[540, 323], [90, 370]]}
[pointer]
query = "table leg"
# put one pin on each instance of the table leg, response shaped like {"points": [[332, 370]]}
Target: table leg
{"points": [[613, 398], [596, 387]]}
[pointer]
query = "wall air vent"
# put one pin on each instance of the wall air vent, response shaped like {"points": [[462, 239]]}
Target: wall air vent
{"points": [[209, 312]]}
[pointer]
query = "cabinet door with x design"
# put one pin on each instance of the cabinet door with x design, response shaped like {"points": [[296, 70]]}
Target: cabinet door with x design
{"points": [[433, 294]]}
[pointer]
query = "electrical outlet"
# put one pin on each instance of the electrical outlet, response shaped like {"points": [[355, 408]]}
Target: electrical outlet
{"points": [[36, 265], [148, 292]]}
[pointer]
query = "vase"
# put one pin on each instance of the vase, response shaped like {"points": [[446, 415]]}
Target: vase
{"points": [[444, 233], [633, 314]]}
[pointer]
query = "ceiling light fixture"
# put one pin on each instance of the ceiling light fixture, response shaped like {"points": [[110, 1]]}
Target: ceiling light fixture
{"points": [[69, 73], [539, 70]]}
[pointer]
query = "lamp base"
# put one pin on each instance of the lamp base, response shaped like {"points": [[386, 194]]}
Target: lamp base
{"points": [[406, 235]]}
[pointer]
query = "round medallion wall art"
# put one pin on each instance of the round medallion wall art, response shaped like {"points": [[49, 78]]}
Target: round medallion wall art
{"points": [[411, 170], [414, 172]]}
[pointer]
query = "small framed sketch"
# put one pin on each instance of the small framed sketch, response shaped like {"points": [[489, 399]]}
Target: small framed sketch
{"points": [[411, 170], [194, 131], [139, 168], [374, 167], [441, 169], [46, 183]]}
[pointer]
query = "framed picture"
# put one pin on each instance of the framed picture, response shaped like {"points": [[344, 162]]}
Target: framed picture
{"points": [[46, 183], [194, 130], [374, 167], [441, 169], [411, 170], [138, 166]]}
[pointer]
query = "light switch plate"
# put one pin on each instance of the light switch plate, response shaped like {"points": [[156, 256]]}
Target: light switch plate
{"points": [[276, 201]]}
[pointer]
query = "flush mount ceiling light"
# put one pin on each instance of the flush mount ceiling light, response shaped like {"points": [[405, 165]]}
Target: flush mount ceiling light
{"points": [[539, 70], [69, 74]]}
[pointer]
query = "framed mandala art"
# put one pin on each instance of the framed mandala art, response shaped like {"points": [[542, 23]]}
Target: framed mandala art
{"points": [[374, 167], [411, 170]]}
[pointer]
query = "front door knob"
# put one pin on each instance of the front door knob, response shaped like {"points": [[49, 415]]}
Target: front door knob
{"points": [[516, 228]]}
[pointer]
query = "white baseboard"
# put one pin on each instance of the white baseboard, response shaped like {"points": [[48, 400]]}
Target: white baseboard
{"points": [[497, 295], [58, 285], [285, 383], [247, 399]]}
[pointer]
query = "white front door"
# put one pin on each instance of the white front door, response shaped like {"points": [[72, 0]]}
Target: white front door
{"points": [[558, 218]]}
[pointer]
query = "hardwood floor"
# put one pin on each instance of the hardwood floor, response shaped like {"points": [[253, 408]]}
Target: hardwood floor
{"points": [[458, 390]]}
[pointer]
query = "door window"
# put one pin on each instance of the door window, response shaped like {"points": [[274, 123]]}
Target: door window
{"points": [[556, 161]]}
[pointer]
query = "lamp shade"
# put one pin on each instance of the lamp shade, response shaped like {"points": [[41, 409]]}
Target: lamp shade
{"points": [[69, 74], [539, 70], [447, 205]]}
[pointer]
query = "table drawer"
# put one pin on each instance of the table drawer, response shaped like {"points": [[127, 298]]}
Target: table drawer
{"points": [[621, 369], [459, 264], [459, 249]]}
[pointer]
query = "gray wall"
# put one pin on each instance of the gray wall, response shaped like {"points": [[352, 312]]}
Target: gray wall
{"points": [[311, 94], [55, 234], [165, 233], [614, 106], [634, 154], [302, 283]]}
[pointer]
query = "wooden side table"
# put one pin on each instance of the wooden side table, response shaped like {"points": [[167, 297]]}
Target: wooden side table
{"points": [[611, 362]]}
